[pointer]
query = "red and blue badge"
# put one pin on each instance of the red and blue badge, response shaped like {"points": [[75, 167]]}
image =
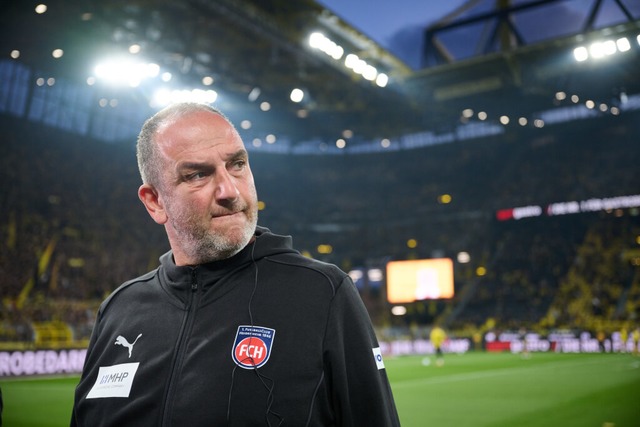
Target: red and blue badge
{"points": [[252, 346]]}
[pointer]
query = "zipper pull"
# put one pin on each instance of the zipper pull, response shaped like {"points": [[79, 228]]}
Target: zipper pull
{"points": [[194, 280]]}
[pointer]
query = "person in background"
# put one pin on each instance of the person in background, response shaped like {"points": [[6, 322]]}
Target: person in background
{"points": [[624, 337], [601, 337], [438, 336], [234, 327]]}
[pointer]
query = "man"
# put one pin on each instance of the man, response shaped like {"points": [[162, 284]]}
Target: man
{"points": [[234, 327], [438, 336]]}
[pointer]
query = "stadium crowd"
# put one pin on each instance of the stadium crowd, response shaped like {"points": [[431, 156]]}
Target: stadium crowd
{"points": [[72, 228]]}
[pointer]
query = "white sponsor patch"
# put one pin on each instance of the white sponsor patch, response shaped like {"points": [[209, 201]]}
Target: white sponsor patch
{"points": [[114, 381], [377, 355]]}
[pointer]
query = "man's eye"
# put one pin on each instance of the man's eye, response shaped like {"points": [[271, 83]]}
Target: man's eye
{"points": [[239, 164], [196, 175]]}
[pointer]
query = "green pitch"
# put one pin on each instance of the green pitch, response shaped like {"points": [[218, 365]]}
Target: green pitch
{"points": [[474, 390]]}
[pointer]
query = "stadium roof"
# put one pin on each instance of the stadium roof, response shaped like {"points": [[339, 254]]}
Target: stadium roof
{"points": [[258, 50]]}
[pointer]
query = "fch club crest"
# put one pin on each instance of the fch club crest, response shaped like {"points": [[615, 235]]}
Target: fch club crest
{"points": [[252, 346]]}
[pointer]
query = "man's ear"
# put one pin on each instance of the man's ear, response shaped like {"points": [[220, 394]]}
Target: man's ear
{"points": [[151, 200]]}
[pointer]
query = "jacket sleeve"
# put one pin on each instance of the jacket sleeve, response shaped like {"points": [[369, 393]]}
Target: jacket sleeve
{"points": [[82, 384], [360, 390]]}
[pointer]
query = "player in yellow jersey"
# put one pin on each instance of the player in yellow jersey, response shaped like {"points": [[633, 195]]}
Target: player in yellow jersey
{"points": [[438, 337], [636, 341]]}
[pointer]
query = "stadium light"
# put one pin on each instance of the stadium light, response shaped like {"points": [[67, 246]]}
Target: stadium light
{"points": [[352, 61], [125, 71], [164, 97], [324, 44], [382, 80], [370, 73], [399, 310], [599, 50], [623, 44], [297, 95], [602, 49], [581, 54], [463, 257]]}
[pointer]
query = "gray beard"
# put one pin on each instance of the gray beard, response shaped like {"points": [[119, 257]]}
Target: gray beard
{"points": [[203, 246], [213, 247]]}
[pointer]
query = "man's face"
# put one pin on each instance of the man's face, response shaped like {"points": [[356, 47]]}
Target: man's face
{"points": [[207, 191]]}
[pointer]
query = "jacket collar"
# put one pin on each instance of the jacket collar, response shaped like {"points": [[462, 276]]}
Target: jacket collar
{"points": [[180, 278]]}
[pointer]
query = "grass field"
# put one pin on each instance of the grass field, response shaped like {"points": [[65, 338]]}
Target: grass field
{"points": [[474, 390]]}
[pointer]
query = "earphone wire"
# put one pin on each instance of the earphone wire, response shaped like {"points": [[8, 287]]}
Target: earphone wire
{"points": [[263, 378]]}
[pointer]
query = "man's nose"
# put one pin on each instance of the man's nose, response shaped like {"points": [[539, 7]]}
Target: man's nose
{"points": [[226, 188]]}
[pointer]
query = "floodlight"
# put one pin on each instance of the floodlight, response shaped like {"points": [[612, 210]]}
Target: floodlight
{"points": [[382, 80], [164, 97], [580, 53], [153, 70], [351, 60], [316, 40], [369, 72], [623, 44], [609, 47], [122, 71], [359, 66], [297, 95], [596, 50]]}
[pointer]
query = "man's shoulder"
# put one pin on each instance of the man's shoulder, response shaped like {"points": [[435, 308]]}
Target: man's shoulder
{"points": [[324, 270], [297, 259], [129, 284]]}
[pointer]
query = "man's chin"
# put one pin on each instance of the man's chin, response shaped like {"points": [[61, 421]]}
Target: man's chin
{"points": [[236, 235]]}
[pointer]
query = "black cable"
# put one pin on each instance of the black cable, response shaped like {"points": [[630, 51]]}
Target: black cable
{"points": [[263, 378]]}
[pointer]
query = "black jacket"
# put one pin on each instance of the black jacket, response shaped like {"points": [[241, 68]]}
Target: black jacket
{"points": [[267, 337]]}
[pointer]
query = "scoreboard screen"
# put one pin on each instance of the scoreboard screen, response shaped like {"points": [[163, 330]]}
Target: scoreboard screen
{"points": [[416, 280]]}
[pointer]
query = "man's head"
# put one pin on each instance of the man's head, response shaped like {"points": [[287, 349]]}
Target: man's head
{"points": [[197, 182]]}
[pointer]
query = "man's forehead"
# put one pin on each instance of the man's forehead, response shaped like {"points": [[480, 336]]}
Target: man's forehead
{"points": [[199, 130], [195, 121]]}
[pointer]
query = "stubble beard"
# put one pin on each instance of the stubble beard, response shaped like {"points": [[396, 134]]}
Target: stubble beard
{"points": [[202, 244]]}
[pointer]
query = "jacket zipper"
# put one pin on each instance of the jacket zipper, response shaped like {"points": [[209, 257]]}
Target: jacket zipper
{"points": [[181, 348]]}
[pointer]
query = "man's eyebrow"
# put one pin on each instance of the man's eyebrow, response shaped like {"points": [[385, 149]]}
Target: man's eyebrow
{"points": [[188, 165], [240, 154], [194, 166]]}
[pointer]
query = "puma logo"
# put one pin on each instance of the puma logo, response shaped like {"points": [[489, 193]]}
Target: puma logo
{"points": [[123, 342]]}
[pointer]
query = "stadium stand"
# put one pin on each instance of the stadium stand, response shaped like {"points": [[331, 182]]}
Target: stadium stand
{"points": [[72, 228]]}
